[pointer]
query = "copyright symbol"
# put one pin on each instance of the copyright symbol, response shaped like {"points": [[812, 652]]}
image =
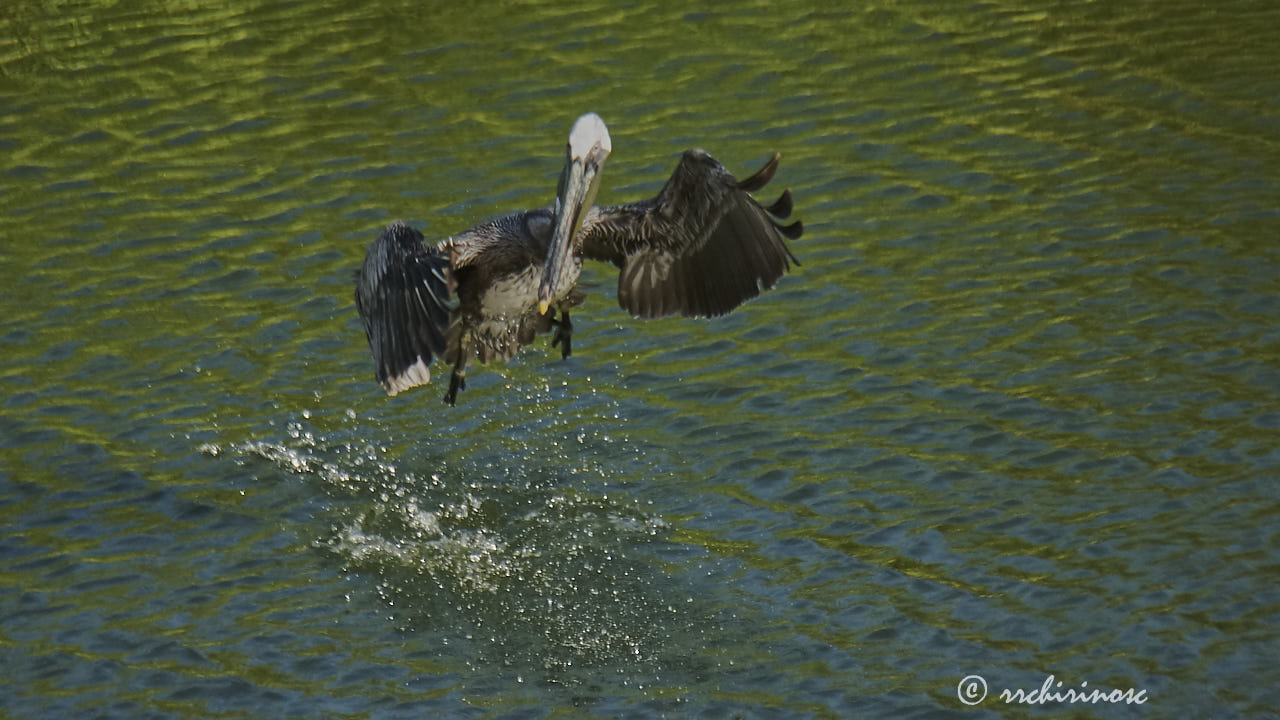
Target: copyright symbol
{"points": [[972, 689]]}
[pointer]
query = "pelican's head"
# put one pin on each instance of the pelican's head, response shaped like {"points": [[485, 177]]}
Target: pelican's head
{"points": [[589, 145]]}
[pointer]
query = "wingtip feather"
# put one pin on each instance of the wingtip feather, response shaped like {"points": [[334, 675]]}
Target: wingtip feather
{"points": [[781, 208], [415, 375], [762, 176]]}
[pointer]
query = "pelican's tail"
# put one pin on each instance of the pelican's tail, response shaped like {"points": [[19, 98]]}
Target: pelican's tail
{"points": [[403, 295]]}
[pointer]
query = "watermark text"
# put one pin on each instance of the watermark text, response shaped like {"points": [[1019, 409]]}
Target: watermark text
{"points": [[973, 690]]}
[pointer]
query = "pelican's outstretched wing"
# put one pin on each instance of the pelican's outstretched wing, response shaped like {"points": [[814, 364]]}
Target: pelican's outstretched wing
{"points": [[702, 247], [403, 297]]}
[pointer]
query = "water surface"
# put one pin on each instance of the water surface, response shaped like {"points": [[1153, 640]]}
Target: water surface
{"points": [[1015, 415]]}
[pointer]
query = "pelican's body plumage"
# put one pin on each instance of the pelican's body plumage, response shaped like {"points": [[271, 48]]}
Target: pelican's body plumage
{"points": [[701, 247]]}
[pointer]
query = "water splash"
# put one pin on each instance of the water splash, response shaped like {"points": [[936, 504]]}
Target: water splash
{"points": [[540, 575]]}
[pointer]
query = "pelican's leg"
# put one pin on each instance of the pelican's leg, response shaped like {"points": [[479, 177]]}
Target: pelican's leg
{"points": [[457, 381], [458, 378], [563, 334]]}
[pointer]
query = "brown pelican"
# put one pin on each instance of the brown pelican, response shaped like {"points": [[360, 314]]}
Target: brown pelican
{"points": [[701, 247]]}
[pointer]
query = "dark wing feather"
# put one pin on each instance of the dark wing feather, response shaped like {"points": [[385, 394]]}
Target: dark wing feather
{"points": [[403, 297], [702, 247]]}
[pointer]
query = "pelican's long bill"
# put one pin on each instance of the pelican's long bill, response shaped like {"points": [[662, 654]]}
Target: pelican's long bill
{"points": [[589, 146]]}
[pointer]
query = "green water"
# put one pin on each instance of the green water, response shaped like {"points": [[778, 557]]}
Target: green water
{"points": [[1015, 415]]}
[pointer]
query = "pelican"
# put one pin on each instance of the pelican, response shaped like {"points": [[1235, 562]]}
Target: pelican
{"points": [[700, 248]]}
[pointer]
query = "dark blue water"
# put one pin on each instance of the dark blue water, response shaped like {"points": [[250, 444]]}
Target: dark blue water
{"points": [[1015, 416]]}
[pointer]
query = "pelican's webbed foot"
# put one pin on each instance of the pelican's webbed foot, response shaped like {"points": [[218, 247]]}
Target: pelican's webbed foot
{"points": [[563, 334], [457, 381], [458, 378]]}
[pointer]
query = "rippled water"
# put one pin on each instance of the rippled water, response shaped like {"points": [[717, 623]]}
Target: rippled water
{"points": [[1016, 414]]}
